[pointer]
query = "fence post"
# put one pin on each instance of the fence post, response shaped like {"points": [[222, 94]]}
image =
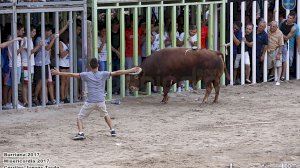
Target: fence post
{"points": [[265, 56], [298, 47], [231, 43], [122, 51], [28, 32], [109, 52], [254, 43], [148, 41], [135, 41], [222, 35], [243, 44], [71, 53], [161, 33], [186, 36], [57, 78], [199, 29]]}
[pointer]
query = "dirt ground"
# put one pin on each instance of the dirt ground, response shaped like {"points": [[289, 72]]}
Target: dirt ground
{"points": [[251, 126]]}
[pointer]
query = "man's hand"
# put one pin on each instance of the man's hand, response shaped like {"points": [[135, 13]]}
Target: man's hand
{"points": [[262, 59], [134, 70], [55, 71], [18, 39]]}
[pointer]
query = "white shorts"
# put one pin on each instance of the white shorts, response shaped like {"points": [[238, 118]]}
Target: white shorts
{"points": [[238, 60], [87, 108]]}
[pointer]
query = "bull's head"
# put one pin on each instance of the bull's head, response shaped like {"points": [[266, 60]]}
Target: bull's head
{"points": [[134, 83]]}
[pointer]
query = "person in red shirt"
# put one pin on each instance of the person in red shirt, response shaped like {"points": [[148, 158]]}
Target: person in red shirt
{"points": [[204, 34], [129, 36]]}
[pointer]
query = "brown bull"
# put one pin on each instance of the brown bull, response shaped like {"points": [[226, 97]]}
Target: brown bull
{"points": [[171, 65]]}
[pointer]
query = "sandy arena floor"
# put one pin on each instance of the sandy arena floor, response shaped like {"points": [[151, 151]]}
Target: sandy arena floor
{"points": [[252, 126]]}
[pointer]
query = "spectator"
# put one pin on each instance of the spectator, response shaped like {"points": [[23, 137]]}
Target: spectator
{"points": [[115, 43], [6, 99], [20, 32], [298, 38], [248, 50], [288, 29], [204, 34], [129, 48], [276, 42], [64, 66], [27, 44], [49, 41], [237, 38], [102, 51], [193, 37], [261, 44]]}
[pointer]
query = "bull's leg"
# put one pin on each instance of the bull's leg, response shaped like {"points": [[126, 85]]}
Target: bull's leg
{"points": [[208, 91], [166, 86], [166, 97], [216, 84]]}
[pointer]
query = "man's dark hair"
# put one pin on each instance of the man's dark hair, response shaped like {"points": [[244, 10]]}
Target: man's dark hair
{"points": [[238, 23], [48, 27], [94, 63], [19, 26], [292, 13]]}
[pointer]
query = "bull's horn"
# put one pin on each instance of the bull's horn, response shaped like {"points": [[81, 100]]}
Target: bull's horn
{"points": [[138, 72]]}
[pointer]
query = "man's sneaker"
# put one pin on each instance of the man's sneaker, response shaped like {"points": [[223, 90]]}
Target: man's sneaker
{"points": [[271, 78], [277, 83], [79, 137], [113, 133]]}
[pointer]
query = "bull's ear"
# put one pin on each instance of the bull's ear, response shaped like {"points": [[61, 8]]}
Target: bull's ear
{"points": [[138, 72]]}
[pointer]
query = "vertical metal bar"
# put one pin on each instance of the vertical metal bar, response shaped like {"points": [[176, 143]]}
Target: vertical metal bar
{"points": [[75, 58], [298, 45], [122, 51], [254, 43], [216, 32], [265, 56], [186, 36], [84, 45], [28, 32], [148, 41], [211, 27], [243, 44], [95, 29], [0, 74], [44, 91], [109, 52], [287, 72], [276, 11], [135, 40], [231, 43], [57, 78], [199, 27], [15, 60], [173, 36], [223, 34], [161, 32], [71, 53]]}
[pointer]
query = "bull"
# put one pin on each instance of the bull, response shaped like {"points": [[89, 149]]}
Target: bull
{"points": [[172, 65]]}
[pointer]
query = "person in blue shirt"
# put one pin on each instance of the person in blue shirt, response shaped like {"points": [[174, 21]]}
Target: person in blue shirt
{"points": [[237, 39], [261, 44]]}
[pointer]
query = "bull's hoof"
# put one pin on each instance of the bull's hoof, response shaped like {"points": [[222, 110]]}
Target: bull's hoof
{"points": [[215, 101], [163, 102]]}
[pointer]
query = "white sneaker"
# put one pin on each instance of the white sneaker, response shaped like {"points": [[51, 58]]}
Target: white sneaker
{"points": [[20, 106], [9, 106], [179, 90], [277, 83]]}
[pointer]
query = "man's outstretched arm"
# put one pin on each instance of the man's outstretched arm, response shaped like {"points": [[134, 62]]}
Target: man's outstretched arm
{"points": [[125, 72], [67, 74]]}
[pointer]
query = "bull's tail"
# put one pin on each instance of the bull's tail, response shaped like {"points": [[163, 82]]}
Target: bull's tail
{"points": [[225, 69]]}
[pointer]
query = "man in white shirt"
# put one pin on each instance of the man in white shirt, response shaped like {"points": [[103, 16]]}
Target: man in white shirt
{"points": [[27, 44]]}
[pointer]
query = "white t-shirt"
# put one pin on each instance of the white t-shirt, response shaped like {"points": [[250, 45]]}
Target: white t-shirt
{"points": [[102, 56], [190, 39], [179, 36], [65, 61], [10, 52], [24, 53]]}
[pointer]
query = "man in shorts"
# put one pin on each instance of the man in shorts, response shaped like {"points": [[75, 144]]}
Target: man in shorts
{"points": [[276, 42], [95, 81]]}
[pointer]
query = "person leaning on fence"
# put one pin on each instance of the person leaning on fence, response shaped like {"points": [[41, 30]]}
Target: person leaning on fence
{"points": [[298, 38], [261, 48], [275, 45], [237, 38], [248, 39], [288, 28], [95, 81], [27, 44], [6, 101]]}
